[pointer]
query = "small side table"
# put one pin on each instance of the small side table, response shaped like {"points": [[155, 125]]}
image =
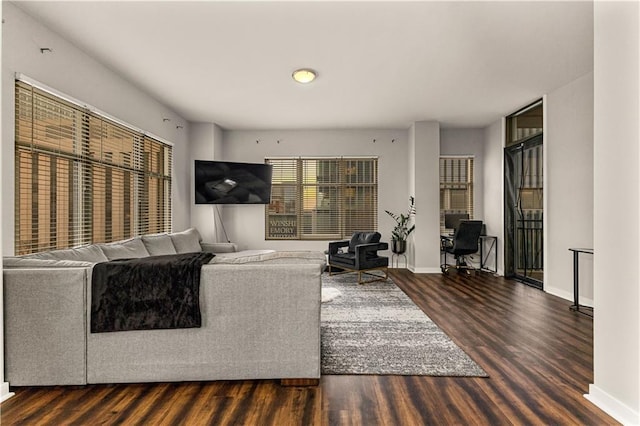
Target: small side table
{"points": [[576, 292]]}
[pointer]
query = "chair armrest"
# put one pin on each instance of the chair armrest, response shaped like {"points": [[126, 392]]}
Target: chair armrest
{"points": [[445, 242], [372, 247], [219, 247], [334, 246], [363, 249]]}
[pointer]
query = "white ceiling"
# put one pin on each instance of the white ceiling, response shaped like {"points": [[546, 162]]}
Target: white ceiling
{"points": [[380, 64]]}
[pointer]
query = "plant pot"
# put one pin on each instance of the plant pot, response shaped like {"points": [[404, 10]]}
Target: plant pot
{"points": [[398, 246]]}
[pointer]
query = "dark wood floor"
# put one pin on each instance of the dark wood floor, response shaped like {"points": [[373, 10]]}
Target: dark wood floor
{"points": [[537, 353]]}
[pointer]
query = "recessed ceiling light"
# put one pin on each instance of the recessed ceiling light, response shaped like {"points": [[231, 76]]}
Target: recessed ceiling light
{"points": [[304, 75]]}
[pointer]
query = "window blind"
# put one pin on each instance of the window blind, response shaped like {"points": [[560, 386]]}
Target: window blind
{"points": [[456, 187], [322, 198], [81, 178]]}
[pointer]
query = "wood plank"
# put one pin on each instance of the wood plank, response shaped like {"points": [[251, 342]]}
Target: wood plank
{"points": [[299, 382], [536, 351]]}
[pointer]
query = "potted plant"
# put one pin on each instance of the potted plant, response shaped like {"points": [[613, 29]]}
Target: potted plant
{"points": [[403, 228]]}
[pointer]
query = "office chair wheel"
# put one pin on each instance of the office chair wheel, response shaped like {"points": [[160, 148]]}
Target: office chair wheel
{"points": [[449, 270]]}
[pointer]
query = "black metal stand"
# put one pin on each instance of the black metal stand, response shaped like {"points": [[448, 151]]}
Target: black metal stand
{"points": [[396, 257], [576, 288], [492, 247]]}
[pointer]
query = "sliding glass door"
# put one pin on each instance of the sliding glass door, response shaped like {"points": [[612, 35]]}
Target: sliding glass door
{"points": [[524, 211]]}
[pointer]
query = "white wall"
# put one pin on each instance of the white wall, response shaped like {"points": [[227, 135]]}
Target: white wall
{"points": [[205, 141], [245, 223], [568, 145], [493, 183], [72, 72], [468, 142], [616, 270]]}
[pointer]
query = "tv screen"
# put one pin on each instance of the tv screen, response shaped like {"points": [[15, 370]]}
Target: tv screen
{"points": [[225, 182]]}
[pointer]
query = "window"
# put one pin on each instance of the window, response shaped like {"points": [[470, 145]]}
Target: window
{"points": [[82, 178], [524, 124], [456, 187], [322, 198]]}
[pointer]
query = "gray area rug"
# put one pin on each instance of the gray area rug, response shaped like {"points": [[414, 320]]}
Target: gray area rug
{"points": [[376, 328]]}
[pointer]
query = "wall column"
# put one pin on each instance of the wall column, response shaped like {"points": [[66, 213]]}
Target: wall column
{"points": [[424, 184], [616, 282]]}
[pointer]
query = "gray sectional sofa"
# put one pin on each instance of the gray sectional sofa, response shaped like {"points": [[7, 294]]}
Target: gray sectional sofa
{"points": [[260, 318]]}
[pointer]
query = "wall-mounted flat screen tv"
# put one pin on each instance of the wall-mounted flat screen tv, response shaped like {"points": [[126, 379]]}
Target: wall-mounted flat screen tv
{"points": [[225, 182]]}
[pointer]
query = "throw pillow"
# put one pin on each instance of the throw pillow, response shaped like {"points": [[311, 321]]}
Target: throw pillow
{"points": [[159, 244], [187, 241], [129, 249]]}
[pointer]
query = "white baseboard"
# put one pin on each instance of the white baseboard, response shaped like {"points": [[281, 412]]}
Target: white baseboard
{"points": [[612, 406], [4, 392], [568, 296]]}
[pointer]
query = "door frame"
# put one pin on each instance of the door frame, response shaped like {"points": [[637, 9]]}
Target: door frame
{"points": [[510, 269]]}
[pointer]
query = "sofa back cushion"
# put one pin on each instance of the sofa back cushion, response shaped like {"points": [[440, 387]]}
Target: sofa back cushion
{"points": [[187, 241], [363, 238], [128, 249], [159, 244], [91, 253]]}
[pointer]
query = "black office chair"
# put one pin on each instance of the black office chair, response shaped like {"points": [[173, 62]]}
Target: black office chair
{"points": [[463, 243], [359, 254]]}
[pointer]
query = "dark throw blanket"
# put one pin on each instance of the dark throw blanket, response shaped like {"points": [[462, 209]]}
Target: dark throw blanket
{"points": [[156, 292]]}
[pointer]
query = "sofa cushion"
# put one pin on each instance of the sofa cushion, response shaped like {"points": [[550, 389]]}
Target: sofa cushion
{"points": [[187, 241], [348, 259], [271, 257], [91, 253], [244, 256], [363, 238], [158, 244], [27, 262], [129, 249], [219, 247]]}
